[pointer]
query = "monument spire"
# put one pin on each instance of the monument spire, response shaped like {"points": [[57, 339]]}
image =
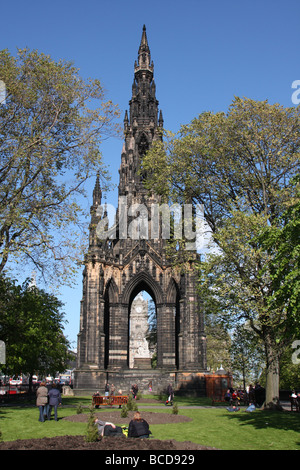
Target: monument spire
{"points": [[144, 57], [143, 104], [97, 193], [142, 124]]}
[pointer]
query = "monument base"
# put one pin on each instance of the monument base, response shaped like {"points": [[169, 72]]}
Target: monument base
{"points": [[190, 383], [142, 363]]}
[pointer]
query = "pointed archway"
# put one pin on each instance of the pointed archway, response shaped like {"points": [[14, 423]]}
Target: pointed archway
{"points": [[167, 315], [142, 331]]}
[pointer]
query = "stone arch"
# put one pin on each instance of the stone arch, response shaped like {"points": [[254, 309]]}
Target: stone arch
{"points": [[111, 297], [174, 302], [111, 289], [139, 353], [142, 281], [172, 291], [143, 144], [167, 319]]}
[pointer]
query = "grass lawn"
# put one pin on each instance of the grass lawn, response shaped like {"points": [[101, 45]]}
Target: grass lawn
{"points": [[215, 427]]}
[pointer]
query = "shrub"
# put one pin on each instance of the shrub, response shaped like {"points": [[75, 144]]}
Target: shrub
{"points": [[124, 412], [175, 409], [79, 409], [132, 405], [92, 434]]}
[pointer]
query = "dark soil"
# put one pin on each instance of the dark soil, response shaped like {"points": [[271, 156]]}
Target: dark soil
{"points": [[109, 443]]}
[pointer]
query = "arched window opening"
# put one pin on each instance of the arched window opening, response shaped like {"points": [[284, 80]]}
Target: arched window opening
{"points": [[143, 145], [142, 332]]}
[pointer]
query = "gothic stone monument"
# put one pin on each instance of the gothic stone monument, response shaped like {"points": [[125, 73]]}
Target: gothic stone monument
{"points": [[128, 260]]}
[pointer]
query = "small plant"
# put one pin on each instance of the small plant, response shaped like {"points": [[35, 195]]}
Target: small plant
{"points": [[124, 412], [131, 404], [92, 434], [175, 409], [79, 409], [135, 406]]}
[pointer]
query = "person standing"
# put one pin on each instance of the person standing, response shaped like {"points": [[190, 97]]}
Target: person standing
{"points": [[135, 390], [42, 400], [54, 401], [170, 393]]}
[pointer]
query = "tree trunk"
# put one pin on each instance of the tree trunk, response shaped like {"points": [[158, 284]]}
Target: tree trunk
{"points": [[272, 379]]}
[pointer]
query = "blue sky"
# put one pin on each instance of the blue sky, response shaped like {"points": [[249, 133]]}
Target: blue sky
{"points": [[204, 53]]}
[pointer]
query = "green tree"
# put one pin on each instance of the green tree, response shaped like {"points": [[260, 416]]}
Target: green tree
{"points": [[218, 344], [51, 128], [289, 370], [32, 328], [239, 167], [247, 356], [282, 242]]}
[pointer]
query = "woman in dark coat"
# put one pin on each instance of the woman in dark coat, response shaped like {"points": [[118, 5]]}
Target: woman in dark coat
{"points": [[138, 427], [54, 401]]}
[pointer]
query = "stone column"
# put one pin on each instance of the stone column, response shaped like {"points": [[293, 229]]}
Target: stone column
{"points": [[118, 337], [166, 357]]}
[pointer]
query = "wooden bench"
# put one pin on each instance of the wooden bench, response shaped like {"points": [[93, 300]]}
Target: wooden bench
{"points": [[112, 400]]}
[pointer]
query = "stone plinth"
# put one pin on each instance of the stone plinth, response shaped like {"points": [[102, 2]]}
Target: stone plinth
{"points": [[142, 362]]}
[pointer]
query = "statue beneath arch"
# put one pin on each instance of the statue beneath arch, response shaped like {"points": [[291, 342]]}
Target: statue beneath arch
{"points": [[131, 257], [141, 350]]}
